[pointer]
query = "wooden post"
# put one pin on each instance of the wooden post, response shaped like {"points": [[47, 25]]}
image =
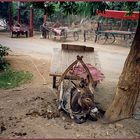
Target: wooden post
{"points": [[31, 22], [10, 16], [19, 15], [54, 81], [84, 35]]}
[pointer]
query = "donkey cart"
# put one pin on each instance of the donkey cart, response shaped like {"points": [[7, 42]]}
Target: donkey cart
{"points": [[18, 30], [76, 90], [61, 33]]}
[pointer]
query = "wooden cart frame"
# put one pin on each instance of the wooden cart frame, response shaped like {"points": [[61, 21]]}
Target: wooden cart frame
{"points": [[23, 30], [64, 59]]}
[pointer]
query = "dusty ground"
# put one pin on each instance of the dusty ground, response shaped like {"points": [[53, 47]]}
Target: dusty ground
{"points": [[30, 110]]}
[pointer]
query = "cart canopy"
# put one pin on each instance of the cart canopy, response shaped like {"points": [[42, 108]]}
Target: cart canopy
{"points": [[119, 15]]}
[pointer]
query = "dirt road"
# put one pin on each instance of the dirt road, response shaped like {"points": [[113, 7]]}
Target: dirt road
{"points": [[30, 111], [35, 45]]}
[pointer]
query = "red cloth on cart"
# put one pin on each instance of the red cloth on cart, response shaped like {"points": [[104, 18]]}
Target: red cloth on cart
{"points": [[78, 70], [57, 31]]}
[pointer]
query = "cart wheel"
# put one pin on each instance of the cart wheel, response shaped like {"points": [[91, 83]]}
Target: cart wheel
{"points": [[64, 34], [51, 34], [86, 35], [63, 39], [92, 35], [110, 39], [76, 36], [130, 40], [101, 39], [26, 34], [11, 34], [18, 34]]}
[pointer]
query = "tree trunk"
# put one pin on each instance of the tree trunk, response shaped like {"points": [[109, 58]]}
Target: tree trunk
{"points": [[10, 15], [128, 87]]}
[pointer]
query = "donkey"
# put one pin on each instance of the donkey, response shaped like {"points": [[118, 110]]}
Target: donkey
{"points": [[79, 102]]}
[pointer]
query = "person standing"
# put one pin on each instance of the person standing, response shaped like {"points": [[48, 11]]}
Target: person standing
{"points": [[44, 34]]}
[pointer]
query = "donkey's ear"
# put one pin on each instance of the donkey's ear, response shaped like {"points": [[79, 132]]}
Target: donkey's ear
{"points": [[83, 83], [90, 84]]}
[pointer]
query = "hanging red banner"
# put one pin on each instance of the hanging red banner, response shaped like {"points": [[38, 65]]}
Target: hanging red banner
{"points": [[119, 15]]}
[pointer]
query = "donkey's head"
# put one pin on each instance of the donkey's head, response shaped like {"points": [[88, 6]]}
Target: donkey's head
{"points": [[85, 96]]}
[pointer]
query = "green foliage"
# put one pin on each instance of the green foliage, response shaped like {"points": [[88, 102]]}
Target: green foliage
{"points": [[130, 6], [89, 8], [124, 6], [117, 6], [4, 65], [11, 79], [63, 10], [4, 51], [68, 8], [38, 18], [3, 10], [47, 7]]}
